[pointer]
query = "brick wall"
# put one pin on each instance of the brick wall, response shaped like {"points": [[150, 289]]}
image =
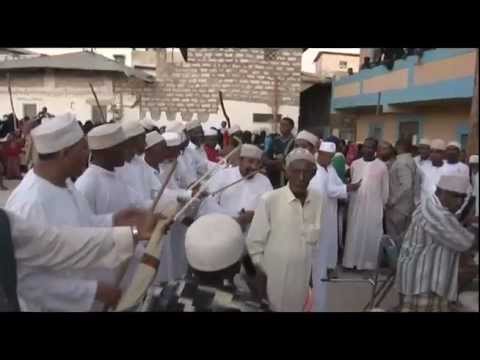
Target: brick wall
{"points": [[241, 74]]}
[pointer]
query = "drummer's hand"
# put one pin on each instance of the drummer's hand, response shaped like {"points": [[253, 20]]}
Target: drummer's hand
{"points": [[107, 294], [128, 217]]}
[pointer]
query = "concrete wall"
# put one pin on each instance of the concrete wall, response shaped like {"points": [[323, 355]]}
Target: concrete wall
{"points": [[435, 122], [189, 90], [328, 64]]}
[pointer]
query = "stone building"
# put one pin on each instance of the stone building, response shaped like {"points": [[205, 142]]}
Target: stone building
{"points": [[255, 83]]}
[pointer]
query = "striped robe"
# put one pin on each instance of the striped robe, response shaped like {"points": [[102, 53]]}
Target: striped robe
{"points": [[429, 257]]}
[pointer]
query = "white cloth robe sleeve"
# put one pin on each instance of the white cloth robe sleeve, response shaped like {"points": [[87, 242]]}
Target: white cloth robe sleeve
{"points": [[87, 189], [258, 234], [336, 189]]}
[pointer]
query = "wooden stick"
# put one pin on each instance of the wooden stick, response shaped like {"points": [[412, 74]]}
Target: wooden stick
{"points": [[220, 94], [98, 103], [164, 186], [11, 102], [235, 182]]}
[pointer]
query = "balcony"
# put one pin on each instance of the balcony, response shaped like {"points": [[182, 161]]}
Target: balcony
{"points": [[441, 74]]}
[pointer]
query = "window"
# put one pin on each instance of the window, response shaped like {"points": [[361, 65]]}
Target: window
{"points": [[265, 118], [342, 65], [270, 54], [30, 110], [375, 131], [96, 115]]}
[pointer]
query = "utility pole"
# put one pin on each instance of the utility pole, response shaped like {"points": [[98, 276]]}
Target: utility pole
{"points": [[472, 147]]}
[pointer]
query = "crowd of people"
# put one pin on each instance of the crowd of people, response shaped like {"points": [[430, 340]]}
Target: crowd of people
{"points": [[265, 219]]}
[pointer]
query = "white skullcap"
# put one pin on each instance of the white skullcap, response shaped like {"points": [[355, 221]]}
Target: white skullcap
{"points": [[172, 138], [175, 126], [153, 138], [147, 122], [459, 184], [251, 151], [56, 134], [454, 143], [132, 128], [214, 242], [437, 144], [193, 124], [105, 136], [234, 129], [308, 136], [299, 154], [210, 132], [473, 159], [328, 147], [424, 141]]}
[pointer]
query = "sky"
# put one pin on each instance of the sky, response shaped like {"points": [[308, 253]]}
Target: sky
{"points": [[307, 60]]}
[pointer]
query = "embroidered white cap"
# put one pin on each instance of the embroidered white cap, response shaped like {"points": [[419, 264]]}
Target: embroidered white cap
{"points": [[153, 138], [454, 143], [459, 184], [105, 136], [132, 128], [299, 154], [172, 138], [251, 151], [328, 147], [209, 132], [437, 144], [424, 141], [214, 242], [308, 136], [473, 159], [190, 125], [57, 134]]}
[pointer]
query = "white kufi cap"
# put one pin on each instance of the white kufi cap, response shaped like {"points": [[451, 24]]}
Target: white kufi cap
{"points": [[210, 132], [473, 159], [153, 138], [57, 134], [251, 151], [454, 143], [193, 124], [308, 136], [424, 141], [437, 144], [105, 136], [175, 126], [328, 147], [214, 242], [299, 154], [132, 128], [172, 138], [459, 184]]}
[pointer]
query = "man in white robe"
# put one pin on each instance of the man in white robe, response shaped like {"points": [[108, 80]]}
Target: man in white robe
{"points": [[194, 153], [431, 172], [453, 166], [75, 249], [47, 195], [473, 161], [365, 210], [327, 182], [423, 157], [285, 227]]}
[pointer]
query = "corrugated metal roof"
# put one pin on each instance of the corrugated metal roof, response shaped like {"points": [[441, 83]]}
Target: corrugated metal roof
{"points": [[83, 60]]}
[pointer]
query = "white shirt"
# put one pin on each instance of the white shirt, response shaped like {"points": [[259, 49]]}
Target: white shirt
{"points": [[196, 159], [430, 176], [105, 192], [74, 248], [421, 162], [243, 195], [280, 241], [459, 169], [38, 200]]}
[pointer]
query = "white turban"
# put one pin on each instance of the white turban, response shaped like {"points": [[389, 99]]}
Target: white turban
{"points": [[473, 159], [299, 154], [214, 242], [308, 136], [57, 134], [459, 184], [105, 136], [132, 128], [210, 132], [153, 138], [251, 151], [437, 144]]}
